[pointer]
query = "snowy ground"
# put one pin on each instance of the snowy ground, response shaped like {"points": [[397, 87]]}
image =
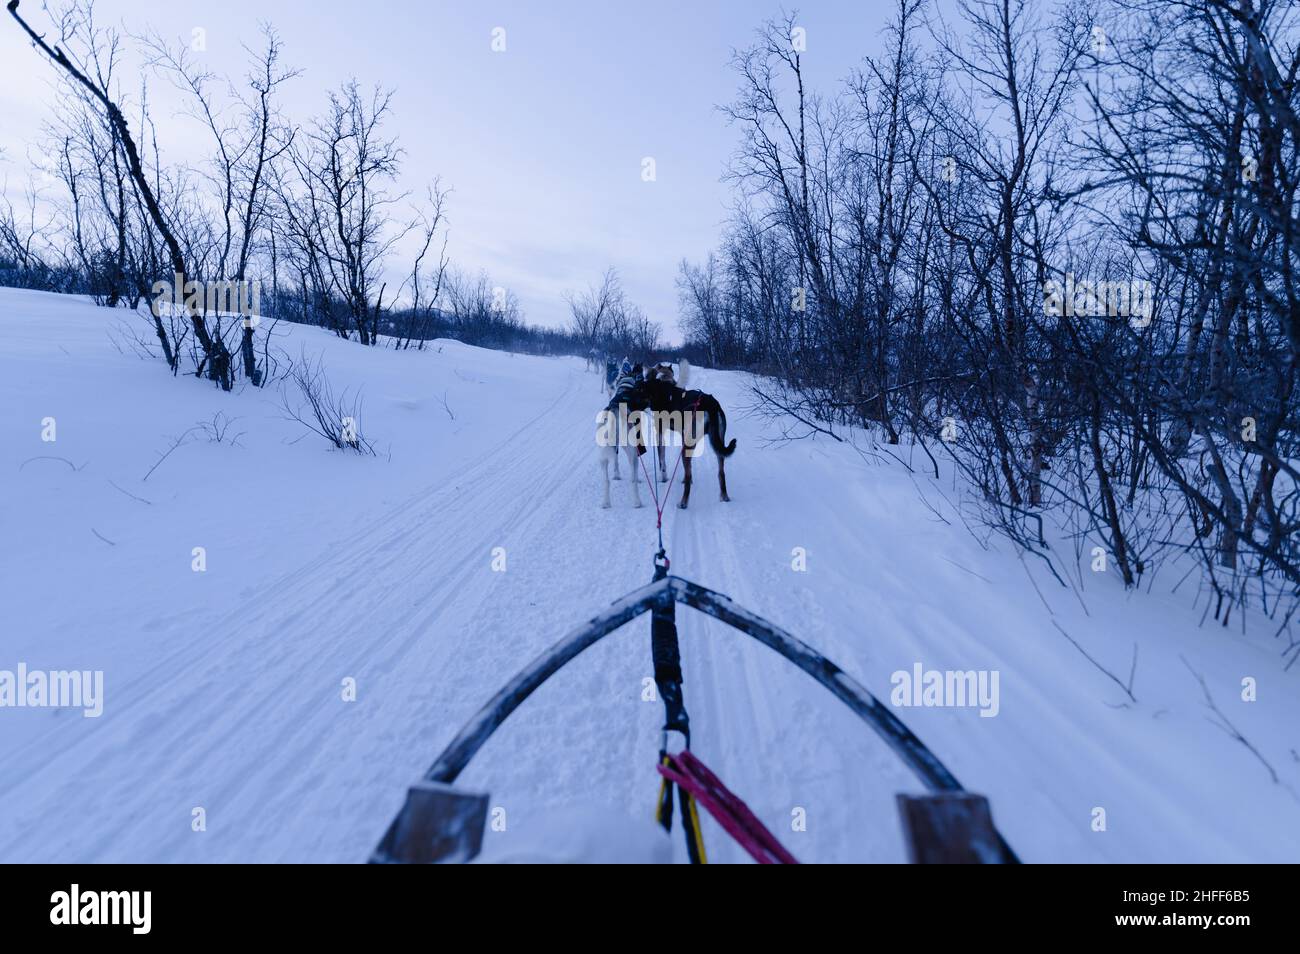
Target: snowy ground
{"points": [[223, 687]]}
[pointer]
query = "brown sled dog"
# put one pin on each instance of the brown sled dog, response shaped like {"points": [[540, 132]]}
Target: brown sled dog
{"points": [[693, 415]]}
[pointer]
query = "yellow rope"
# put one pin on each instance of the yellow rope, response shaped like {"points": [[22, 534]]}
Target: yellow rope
{"points": [[695, 828], [691, 816], [659, 803]]}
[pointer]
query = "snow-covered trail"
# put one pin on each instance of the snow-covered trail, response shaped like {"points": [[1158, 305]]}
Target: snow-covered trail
{"points": [[243, 715], [224, 689]]}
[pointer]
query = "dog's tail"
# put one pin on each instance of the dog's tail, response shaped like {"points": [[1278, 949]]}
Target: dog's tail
{"points": [[717, 429]]}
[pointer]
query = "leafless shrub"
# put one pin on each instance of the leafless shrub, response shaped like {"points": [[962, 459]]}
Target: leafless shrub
{"points": [[308, 398], [220, 430]]}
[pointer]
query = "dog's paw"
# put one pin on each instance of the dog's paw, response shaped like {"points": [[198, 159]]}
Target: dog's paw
{"points": [[725, 499], [617, 477], [605, 505], [682, 505]]}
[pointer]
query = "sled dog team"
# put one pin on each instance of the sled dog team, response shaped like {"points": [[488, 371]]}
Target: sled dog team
{"points": [[648, 407]]}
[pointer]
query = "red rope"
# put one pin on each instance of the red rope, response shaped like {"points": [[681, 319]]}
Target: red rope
{"points": [[732, 814], [659, 506]]}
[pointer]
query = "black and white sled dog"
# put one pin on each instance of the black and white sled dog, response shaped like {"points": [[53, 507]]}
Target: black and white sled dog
{"points": [[655, 376], [619, 428], [651, 409]]}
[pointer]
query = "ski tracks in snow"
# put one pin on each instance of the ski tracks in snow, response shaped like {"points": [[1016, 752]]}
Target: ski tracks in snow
{"points": [[251, 741]]}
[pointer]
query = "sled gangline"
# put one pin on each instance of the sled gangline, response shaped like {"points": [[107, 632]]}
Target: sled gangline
{"points": [[442, 823], [924, 763]]}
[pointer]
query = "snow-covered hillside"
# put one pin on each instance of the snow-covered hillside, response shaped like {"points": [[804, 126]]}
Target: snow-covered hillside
{"points": [[223, 688]]}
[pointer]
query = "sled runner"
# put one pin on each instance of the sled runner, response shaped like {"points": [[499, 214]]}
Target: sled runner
{"points": [[440, 823]]}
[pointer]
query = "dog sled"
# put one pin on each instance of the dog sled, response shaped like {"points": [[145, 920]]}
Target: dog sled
{"points": [[441, 822]]}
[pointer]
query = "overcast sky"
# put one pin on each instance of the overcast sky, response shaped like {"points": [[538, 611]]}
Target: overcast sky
{"points": [[542, 143]]}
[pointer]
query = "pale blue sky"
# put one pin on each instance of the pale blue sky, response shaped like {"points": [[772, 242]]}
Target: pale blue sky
{"points": [[542, 143]]}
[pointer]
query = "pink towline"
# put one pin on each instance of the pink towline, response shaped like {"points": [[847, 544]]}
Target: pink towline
{"points": [[731, 813]]}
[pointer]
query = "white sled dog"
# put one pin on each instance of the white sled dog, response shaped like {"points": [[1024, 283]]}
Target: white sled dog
{"points": [[619, 427]]}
